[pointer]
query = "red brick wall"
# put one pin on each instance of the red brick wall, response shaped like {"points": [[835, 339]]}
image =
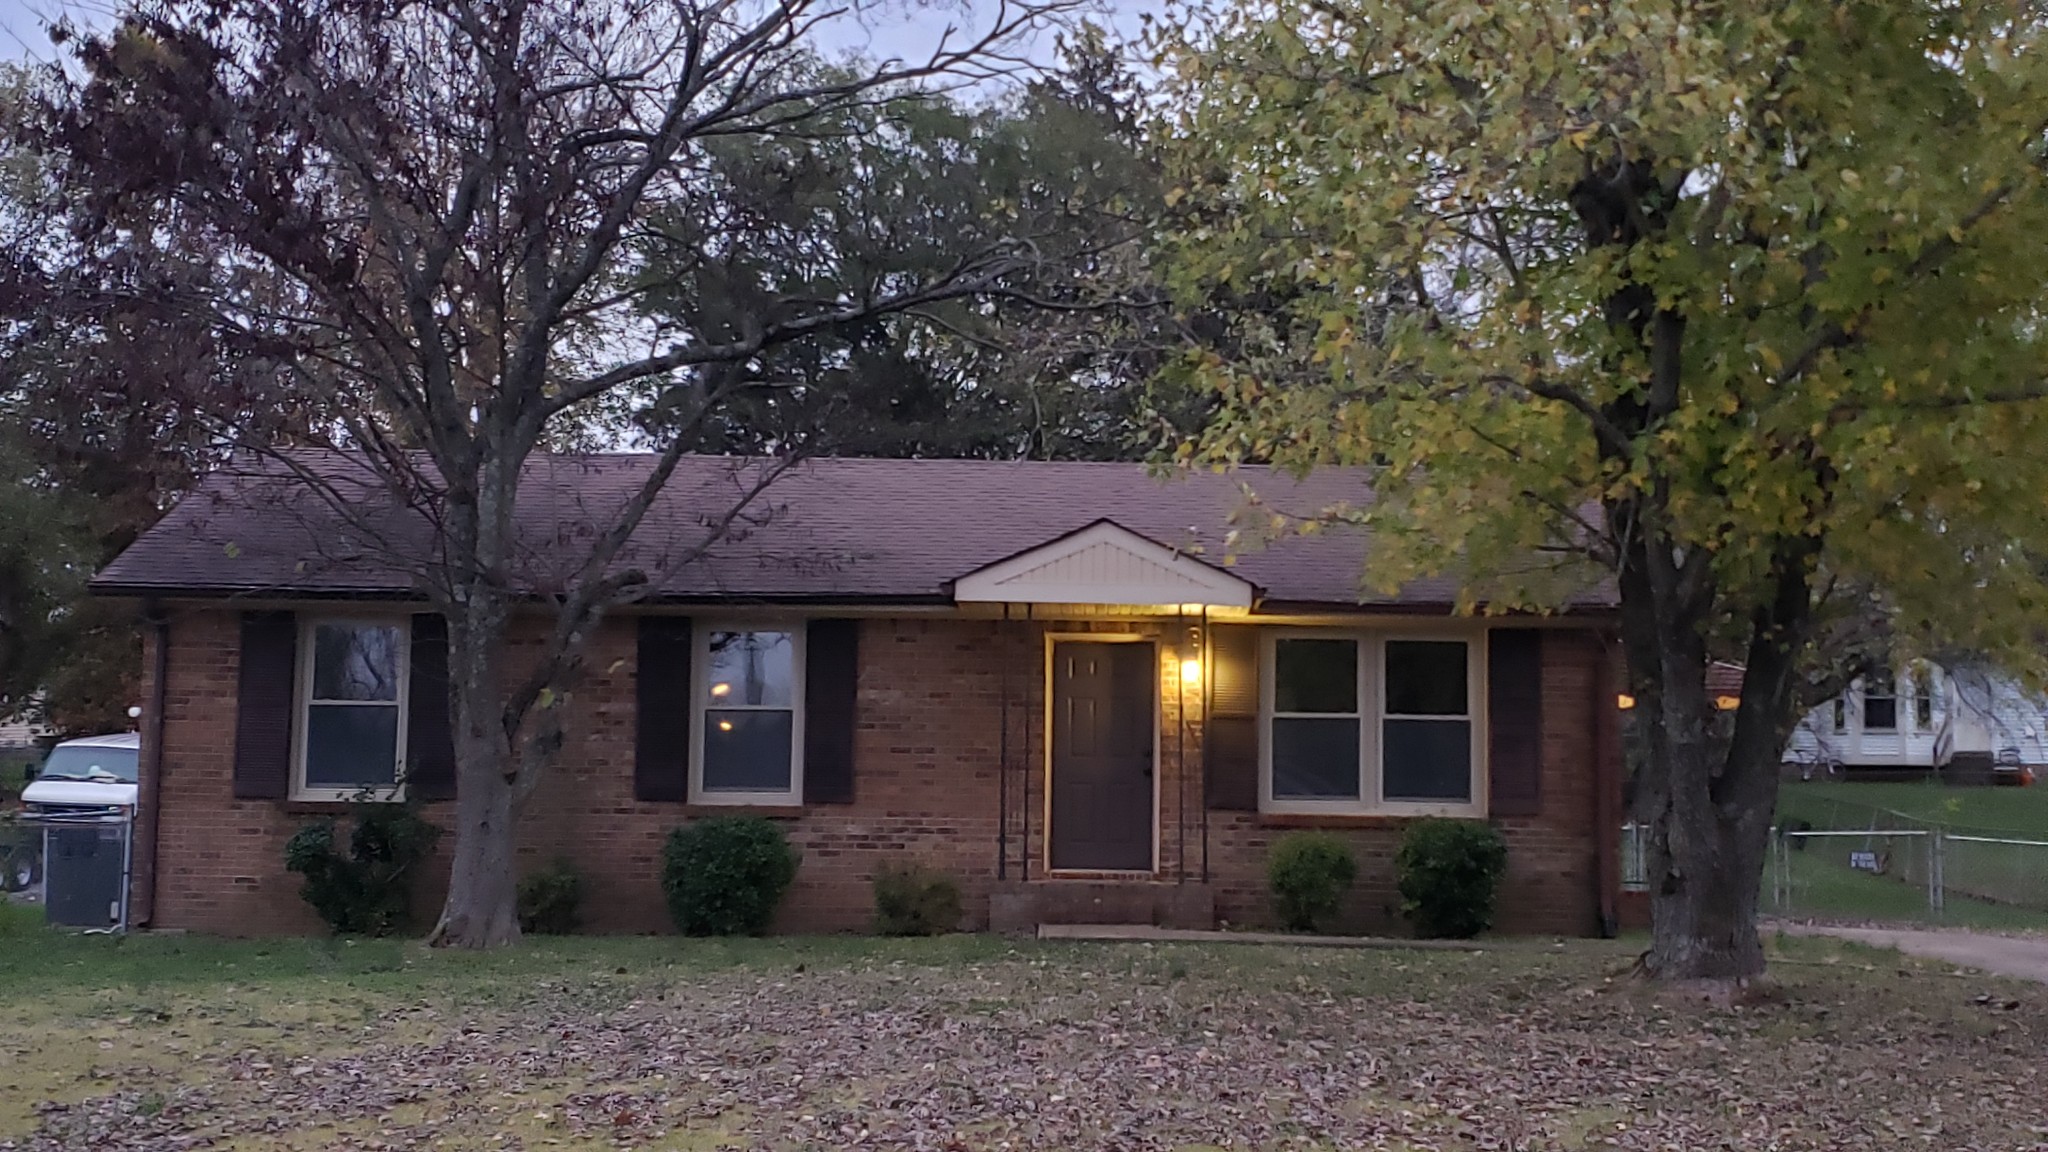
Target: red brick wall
{"points": [[930, 727]]}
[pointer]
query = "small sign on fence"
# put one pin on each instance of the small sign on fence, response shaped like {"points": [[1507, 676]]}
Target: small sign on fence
{"points": [[1867, 861]]}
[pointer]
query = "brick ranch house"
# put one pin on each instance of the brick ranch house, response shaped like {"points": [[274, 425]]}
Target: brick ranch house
{"points": [[1048, 679]]}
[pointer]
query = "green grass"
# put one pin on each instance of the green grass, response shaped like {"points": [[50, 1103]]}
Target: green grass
{"points": [[1838, 804], [1824, 886]]}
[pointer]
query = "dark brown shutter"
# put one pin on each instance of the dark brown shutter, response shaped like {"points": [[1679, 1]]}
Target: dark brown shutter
{"points": [[1514, 718], [661, 745], [264, 705], [1230, 746], [831, 683], [429, 737]]}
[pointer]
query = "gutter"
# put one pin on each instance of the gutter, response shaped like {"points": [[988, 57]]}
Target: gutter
{"points": [[142, 896], [1607, 787]]}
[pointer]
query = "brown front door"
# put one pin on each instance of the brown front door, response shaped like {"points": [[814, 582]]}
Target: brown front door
{"points": [[1102, 726]]}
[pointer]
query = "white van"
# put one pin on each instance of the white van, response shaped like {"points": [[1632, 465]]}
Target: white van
{"points": [[90, 772]]}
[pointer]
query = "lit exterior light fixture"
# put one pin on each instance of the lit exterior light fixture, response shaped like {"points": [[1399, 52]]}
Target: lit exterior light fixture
{"points": [[1190, 670], [1624, 701], [721, 689], [1727, 703], [725, 725]]}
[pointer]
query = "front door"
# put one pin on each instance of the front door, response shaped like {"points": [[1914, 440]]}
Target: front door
{"points": [[1102, 729]]}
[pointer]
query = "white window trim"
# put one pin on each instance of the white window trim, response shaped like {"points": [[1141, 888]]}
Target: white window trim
{"points": [[700, 703], [302, 706], [1371, 687]]}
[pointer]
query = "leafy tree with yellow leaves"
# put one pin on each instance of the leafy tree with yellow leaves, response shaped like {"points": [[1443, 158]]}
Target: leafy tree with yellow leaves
{"points": [[1738, 302]]}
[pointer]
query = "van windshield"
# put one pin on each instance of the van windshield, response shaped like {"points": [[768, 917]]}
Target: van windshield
{"points": [[86, 762]]}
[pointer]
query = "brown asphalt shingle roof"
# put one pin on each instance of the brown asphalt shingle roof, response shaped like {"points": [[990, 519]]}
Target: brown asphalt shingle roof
{"points": [[828, 530]]}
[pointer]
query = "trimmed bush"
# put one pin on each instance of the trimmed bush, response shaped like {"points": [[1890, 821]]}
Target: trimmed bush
{"points": [[913, 900], [725, 875], [1449, 872], [551, 900], [1309, 872], [366, 891]]}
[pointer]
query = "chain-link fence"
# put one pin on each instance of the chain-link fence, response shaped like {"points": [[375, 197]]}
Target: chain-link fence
{"points": [[1835, 858]]}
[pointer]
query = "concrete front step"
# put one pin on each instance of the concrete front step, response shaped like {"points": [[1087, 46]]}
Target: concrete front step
{"points": [[1023, 906]]}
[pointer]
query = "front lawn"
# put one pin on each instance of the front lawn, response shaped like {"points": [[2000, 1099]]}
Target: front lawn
{"points": [[984, 1043], [1850, 804]]}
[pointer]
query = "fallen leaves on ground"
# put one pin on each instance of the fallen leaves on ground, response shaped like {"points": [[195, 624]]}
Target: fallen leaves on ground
{"points": [[1120, 1047]]}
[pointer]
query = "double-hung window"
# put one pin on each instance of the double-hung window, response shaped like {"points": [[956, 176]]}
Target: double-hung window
{"points": [[1880, 703], [351, 723], [1370, 724], [749, 716]]}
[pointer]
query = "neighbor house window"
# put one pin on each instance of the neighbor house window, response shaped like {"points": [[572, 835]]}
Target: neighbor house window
{"points": [[749, 723], [1370, 724], [1841, 714], [1880, 704], [351, 730]]}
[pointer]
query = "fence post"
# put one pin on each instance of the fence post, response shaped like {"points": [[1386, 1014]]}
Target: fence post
{"points": [[1937, 852]]}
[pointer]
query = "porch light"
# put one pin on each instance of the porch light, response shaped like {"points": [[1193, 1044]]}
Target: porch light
{"points": [[1727, 703], [1190, 670], [1624, 701], [725, 725], [721, 689]]}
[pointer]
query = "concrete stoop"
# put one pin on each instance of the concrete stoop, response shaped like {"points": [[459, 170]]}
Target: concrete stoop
{"points": [[1020, 907]]}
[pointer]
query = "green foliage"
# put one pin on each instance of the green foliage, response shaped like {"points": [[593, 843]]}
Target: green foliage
{"points": [[551, 900], [1448, 871], [366, 891], [1309, 872], [1060, 160], [725, 875], [1735, 306], [914, 900]]}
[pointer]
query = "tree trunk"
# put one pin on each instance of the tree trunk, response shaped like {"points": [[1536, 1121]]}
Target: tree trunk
{"points": [[1710, 786], [483, 882]]}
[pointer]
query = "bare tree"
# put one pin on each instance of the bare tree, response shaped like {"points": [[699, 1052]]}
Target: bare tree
{"points": [[461, 194]]}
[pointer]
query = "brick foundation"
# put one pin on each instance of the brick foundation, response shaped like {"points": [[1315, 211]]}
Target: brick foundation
{"points": [[928, 787]]}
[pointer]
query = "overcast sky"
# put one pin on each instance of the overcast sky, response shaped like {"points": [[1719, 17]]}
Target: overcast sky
{"points": [[901, 27]]}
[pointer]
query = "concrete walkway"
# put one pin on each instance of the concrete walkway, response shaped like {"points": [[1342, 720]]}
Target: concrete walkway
{"points": [[2023, 956]]}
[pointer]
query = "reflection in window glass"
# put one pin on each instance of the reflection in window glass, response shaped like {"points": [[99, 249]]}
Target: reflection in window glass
{"points": [[749, 706], [1315, 676], [351, 719], [752, 670]]}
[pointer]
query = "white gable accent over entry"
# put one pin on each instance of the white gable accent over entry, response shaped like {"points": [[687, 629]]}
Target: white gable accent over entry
{"points": [[1104, 563]]}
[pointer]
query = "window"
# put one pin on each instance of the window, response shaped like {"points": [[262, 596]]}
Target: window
{"points": [[1880, 703], [1369, 724], [749, 725], [1426, 746], [1923, 708], [1841, 714], [351, 735]]}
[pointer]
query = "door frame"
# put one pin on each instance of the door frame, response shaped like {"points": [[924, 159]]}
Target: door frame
{"points": [[1052, 642]]}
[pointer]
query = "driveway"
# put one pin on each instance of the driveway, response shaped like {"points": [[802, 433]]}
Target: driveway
{"points": [[2023, 956]]}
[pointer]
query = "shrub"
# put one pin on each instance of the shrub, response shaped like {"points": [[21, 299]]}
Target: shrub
{"points": [[1448, 872], [551, 900], [1309, 873], [724, 876], [913, 900], [368, 891]]}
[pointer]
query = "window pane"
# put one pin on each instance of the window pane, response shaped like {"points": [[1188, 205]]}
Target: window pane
{"points": [[1425, 678], [757, 669], [1880, 713], [355, 662], [1427, 760], [1315, 759], [1923, 712], [1315, 676], [351, 746], [746, 751]]}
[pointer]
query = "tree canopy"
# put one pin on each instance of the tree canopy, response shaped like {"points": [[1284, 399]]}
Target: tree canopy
{"points": [[1739, 303]]}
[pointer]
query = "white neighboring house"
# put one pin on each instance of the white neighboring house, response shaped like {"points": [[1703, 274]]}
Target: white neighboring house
{"points": [[1924, 717], [22, 734]]}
